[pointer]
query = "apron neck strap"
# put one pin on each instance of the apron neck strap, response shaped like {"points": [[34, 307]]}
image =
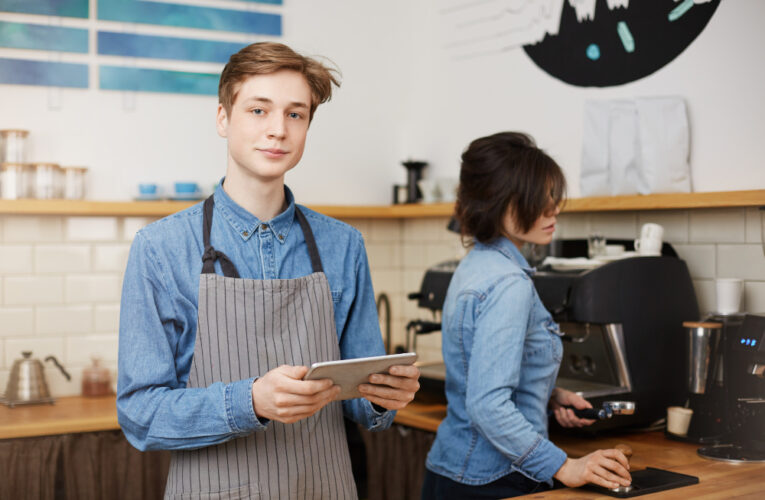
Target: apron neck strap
{"points": [[211, 255], [310, 241], [229, 270]]}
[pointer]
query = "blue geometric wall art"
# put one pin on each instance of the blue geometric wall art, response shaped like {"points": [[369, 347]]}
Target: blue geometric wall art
{"points": [[41, 37], [195, 76], [64, 8], [53, 74], [189, 16], [157, 80], [165, 47]]}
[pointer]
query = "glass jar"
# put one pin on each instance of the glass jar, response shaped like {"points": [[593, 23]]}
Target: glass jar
{"points": [[96, 379], [13, 146], [15, 181], [74, 182], [47, 181]]}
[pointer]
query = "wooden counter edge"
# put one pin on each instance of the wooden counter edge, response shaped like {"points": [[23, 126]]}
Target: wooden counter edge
{"points": [[70, 414]]}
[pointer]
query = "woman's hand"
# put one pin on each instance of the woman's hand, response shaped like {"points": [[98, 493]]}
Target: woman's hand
{"points": [[560, 399], [606, 468]]}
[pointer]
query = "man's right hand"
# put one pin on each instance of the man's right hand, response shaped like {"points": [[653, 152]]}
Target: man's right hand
{"points": [[606, 468], [283, 395]]}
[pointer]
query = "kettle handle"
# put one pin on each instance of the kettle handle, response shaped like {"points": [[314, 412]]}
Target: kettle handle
{"points": [[58, 365]]}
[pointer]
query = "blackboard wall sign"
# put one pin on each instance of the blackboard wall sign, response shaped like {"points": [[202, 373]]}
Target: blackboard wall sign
{"points": [[622, 44]]}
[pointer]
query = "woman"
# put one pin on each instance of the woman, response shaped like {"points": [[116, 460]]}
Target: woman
{"points": [[501, 346]]}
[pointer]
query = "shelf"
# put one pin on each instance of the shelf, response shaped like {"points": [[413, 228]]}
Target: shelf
{"points": [[672, 201]]}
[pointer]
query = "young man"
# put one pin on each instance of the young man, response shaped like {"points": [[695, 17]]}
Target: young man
{"points": [[227, 303]]}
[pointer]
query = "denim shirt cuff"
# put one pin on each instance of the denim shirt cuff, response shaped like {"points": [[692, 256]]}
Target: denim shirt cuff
{"points": [[239, 411], [379, 420], [542, 461]]}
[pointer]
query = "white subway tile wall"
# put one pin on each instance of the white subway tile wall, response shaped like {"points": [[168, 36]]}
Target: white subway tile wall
{"points": [[106, 318], [111, 257], [17, 321], [32, 229], [15, 259], [32, 290], [60, 278], [754, 222], [718, 226], [91, 228], [62, 258], [674, 222], [700, 259]]}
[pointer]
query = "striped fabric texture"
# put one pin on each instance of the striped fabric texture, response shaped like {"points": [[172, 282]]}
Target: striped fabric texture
{"points": [[247, 327]]}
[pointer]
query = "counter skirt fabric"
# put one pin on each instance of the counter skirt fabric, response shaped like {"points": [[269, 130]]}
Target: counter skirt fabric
{"points": [[245, 327]]}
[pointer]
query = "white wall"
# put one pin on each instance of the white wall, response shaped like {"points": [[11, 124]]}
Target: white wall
{"points": [[127, 138], [720, 74], [402, 97]]}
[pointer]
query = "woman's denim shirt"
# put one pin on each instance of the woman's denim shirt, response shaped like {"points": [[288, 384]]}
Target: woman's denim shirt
{"points": [[502, 351]]}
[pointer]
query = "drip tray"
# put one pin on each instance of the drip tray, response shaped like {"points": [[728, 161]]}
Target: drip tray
{"points": [[649, 480]]}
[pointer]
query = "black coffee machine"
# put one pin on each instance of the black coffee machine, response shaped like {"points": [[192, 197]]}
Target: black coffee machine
{"points": [[623, 325], [739, 395]]}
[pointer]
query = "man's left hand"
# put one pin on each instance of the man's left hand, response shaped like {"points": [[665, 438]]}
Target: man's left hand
{"points": [[393, 390]]}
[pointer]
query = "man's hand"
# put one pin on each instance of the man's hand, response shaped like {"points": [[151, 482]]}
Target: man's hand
{"points": [[283, 395], [561, 398], [393, 390]]}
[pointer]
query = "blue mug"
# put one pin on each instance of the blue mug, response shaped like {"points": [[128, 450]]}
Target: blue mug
{"points": [[147, 189], [186, 188]]}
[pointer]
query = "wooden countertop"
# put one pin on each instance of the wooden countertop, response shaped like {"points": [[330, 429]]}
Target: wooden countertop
{"points": [[717, 480], [660, 201], [66, 415]]}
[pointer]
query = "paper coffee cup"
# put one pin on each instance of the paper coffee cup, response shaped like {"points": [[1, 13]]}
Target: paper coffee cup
{"points": [[728, 294], [678, 420]]}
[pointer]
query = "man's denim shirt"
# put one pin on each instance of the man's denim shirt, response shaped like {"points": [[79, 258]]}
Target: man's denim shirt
{"points": [[158, 318], [502, 352]]}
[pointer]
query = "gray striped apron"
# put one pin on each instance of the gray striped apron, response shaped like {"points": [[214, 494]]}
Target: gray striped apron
{"points": [[245, 328]]}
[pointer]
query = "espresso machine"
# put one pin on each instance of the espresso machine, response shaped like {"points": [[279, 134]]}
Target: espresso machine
{"points": [[740, 391], [623, 330], [622, 321]]}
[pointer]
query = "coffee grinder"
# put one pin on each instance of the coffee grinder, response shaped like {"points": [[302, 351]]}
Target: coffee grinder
{"points": [[706, 388], [744, 367]]}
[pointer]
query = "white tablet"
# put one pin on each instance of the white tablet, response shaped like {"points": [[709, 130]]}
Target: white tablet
{"points": [[350, 373]]}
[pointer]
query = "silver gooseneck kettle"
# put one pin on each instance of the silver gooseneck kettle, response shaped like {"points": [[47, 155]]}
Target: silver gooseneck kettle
{"points": [[27, 384]]}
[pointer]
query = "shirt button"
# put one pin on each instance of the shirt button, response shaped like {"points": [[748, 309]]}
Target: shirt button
{"points": [[281, 236], [264, 226], [245, 233]]}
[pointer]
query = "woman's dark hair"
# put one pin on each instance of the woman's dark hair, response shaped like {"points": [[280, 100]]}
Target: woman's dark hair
{"points": [[501, 171]]}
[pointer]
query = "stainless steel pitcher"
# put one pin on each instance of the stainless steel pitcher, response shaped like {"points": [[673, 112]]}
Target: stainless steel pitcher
{"points": [[27, 384]]}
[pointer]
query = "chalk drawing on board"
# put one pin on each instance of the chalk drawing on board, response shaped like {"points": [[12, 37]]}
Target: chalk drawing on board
{"points": [[595, 43]]}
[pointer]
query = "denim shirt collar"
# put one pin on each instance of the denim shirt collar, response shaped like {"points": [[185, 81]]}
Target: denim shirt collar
{"points": [[509, 250], [246, 224]]}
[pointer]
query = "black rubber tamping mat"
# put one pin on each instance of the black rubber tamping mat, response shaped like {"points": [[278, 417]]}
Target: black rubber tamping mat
{"points": [[649, 480]]}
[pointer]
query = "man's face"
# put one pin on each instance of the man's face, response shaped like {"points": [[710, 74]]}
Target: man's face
{"points": [[267, 125]]}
